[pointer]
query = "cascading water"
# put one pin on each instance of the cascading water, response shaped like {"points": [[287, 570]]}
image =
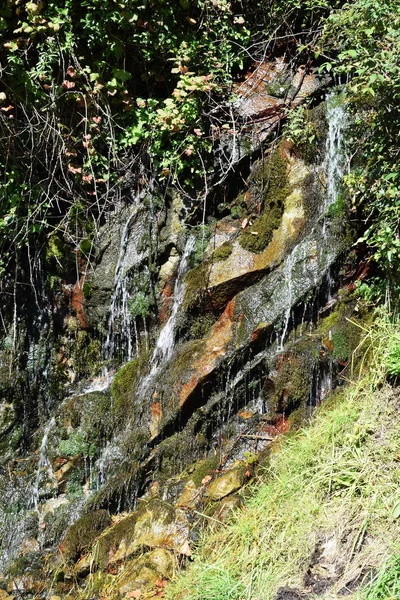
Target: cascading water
{"points": [[120, 318], [43, 464], [165, 343], [162, 353], [335, 156]]}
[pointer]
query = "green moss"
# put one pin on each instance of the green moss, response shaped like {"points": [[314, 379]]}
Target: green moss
{"points": [[343, 334], [59, 255], [202, 325], [31, 562], [85, 247], [81, 535], [182, 364], [196, 282], [87, 290], [125, 381], [272, 185], [203, 468], [222, 252], [257, 237], [297, 419], [77, 444], [112, 538], [292, 383], [126, 529], [280, 86]]}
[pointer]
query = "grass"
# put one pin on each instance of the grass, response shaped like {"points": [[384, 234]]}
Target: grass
{"points": [[327, 504], [386, 585]]}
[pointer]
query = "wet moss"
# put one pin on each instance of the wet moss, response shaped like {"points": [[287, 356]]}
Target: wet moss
{"points": [[311, 197], [341, 335], [125, 382], [196, 282], [271, 184], [290, 387], [31, 563], [112, 538], [59, 255], [222, 252], [183, 361], [259, 235], [201, 325], [81, 535], [127, 530], [203, 468], [176, 454], [297, 419]]}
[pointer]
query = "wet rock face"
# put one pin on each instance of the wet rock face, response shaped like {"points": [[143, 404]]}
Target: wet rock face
{"points": [[100, 280], [244, 362]]}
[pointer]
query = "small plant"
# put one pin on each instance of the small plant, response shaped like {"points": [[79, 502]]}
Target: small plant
{"points": [[77, 445]]}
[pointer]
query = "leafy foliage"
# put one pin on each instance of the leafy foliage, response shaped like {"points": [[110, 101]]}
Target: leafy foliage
{"points": [[362, 41]]}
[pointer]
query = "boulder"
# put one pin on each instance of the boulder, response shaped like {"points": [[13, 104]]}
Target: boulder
{"points": [[144, 572], [226, 484], [155, 525]]}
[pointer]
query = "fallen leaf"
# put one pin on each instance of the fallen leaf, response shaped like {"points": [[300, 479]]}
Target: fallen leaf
{"points": [[244, 223], [206, 479], [134, 594]]}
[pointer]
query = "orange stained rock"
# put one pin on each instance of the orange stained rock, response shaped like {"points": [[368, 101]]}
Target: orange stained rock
{"points": [[156, 414], [166, 301], [214, 347], [77, 301]]}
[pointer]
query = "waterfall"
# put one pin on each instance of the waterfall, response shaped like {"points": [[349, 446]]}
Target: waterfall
{"points": [[43, 463], [120, 318], [335, 156], [165, 343]]}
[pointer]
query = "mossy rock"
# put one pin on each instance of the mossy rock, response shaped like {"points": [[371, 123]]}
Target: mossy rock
{"points": [[202, 324], [142, 573], [339, 334], [222, 252], [81, 535], [202, 468], [257, 237], [290, 387], [271, 183], [227, 483], [156, 524], [196, 282], [124, 385], [59, 255]]}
